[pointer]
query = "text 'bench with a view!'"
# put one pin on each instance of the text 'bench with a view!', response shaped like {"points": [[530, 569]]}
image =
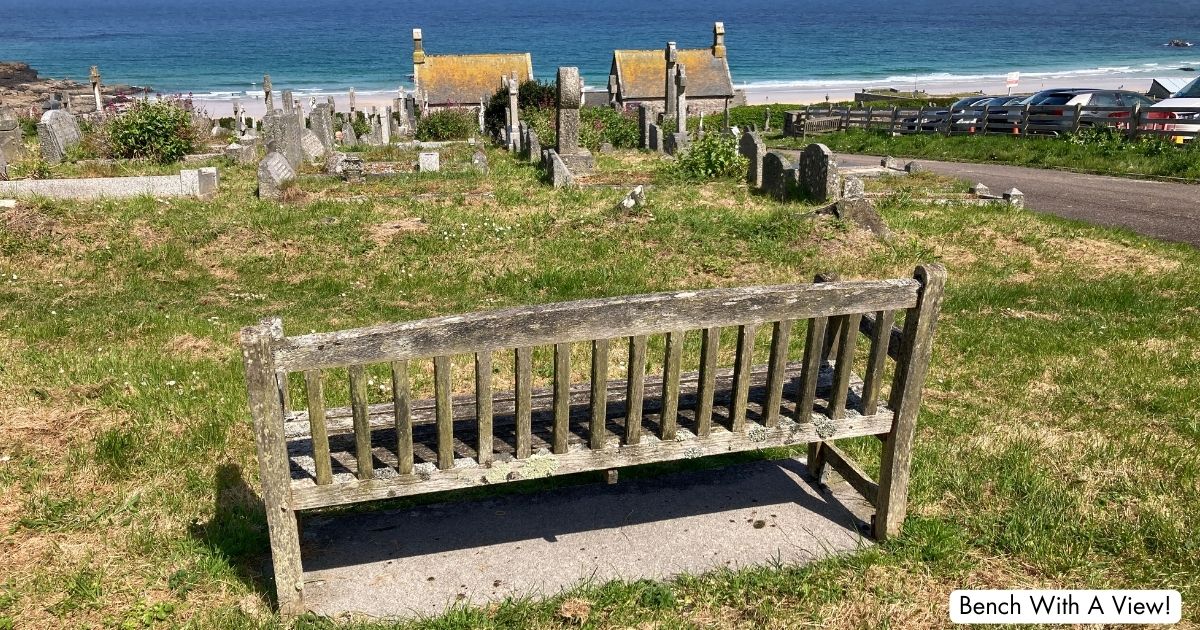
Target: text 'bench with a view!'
{"points": [[385, 442]]}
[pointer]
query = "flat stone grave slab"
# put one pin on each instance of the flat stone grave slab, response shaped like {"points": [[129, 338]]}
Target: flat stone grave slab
{"points": [[420, 561]]}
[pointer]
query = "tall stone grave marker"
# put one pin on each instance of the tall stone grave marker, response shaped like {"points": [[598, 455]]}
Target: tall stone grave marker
{"points": [[386, 126], [321, 123], [672, 57], [96, 89], [58, 132], [644, 122], [678, 141], [268, 98], [752, 147], [514, 112], [570, 99], [12, 145]]}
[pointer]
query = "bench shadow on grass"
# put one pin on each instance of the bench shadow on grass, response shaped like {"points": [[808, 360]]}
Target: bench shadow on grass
{"points": [[237, 531]]}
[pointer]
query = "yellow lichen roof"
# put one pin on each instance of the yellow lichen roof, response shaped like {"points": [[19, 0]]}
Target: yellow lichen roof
{"points": [[642, 73], [465, 79]]}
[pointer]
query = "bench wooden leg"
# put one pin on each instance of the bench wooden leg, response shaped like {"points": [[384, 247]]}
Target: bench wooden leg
{"points": [[816, 462], [267, 411], [905, 400]]}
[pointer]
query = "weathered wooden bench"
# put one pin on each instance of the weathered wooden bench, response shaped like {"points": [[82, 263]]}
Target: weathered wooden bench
{"points": [[821, 125], [323, 456]]}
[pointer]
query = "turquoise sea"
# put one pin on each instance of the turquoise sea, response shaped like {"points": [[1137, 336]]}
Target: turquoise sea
{"points": [[214, 47]]}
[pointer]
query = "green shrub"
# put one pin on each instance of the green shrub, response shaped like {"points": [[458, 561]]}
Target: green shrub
{"points": [[160, 131], [447, 124], [531, 95], [714, 155], [360, 124], [598, 125], [28, 126]]}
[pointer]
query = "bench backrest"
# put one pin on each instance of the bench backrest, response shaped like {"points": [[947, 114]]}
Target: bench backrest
{"points": [[835, 312]]}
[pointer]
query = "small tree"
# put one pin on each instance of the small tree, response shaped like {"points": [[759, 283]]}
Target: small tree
{"points": [[161, 131]]}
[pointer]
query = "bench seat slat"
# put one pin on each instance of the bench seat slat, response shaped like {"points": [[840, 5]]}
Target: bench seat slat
{"points": [[685, 446]]}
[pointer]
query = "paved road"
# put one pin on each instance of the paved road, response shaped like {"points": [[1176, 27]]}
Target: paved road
{"points": [[1168, 211]]}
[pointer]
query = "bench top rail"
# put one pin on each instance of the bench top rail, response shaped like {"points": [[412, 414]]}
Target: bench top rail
{"points": [[586, 320]]}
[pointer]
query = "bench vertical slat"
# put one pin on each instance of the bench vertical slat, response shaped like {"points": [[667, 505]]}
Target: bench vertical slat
{"points": [[402, 412], [562, 396], [825, 351], [316, 424], [776, 371], [810, 368], [905, 400], [443, 412], [362, 424], [635, 389], [483, 405], [281, 376], [596, 432], [844, 365], [881, 335], [670, 393], [741, 376], [710, 345], [523, 404]]}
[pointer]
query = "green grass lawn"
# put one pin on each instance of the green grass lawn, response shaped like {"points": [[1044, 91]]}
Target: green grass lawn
{"points": [[1132, 159], [1057, 446]]}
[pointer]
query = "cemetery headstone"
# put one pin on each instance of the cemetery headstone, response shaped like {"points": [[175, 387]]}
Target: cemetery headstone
{"points": [[861, 211], [570, 99], [58, 132], [479, 162], [12, 144], [385, 126], [778, 175], [241, 153], [644, 125], [560, 174], [751, 146], [321, 123], [274, 173], [348, 137], [314, 149], [818, 173], [268, 97], [853, 188], [533, 147], [429, 162], [655, 143]]}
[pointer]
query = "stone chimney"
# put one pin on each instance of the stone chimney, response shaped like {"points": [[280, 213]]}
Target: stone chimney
{"points": [[418, 47], [718, 47]]}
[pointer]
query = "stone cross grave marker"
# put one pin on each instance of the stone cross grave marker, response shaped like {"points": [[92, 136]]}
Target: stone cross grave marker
{"points": [[570, 99], [672, 57], [268, 98]]}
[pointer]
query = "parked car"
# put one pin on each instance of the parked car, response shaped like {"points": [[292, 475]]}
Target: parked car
{"points": [[1095, 104], [935, 119], [1189, 96]]}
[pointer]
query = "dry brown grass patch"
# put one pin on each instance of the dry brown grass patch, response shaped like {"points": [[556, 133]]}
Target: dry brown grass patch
{"points": [[383, 233], [1100, 257], [190, 346]]}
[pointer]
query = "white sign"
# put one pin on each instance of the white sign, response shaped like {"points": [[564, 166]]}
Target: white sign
{"points": [[1013, 79], [1065, 607]]}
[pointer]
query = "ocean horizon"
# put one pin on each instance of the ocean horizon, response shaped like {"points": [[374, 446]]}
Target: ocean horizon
{"points": [[220, 49]]}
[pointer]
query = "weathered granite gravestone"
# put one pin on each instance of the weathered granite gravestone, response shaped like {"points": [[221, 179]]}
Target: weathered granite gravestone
{"points": [[533, 146], [853, 188], [654, 141], [751, 146], [672, 57], [818, 173], [268, 98], [348, 137], [273, 130], [385, 126], [12, 144], [778, 175], [314, 149], [560, 174], [241, 153], [861, 211], [514, 112], [58, 132], [644, 126], [274, 172], [321, 123], [570, 99], [429, 162], [678, 141], [479, 162]]}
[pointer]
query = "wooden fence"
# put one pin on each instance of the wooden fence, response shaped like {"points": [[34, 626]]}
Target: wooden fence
{"points": [[1180, 124]]}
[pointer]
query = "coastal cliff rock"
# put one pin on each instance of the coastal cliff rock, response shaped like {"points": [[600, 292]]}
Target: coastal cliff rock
{"points": [[22, 89]]}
